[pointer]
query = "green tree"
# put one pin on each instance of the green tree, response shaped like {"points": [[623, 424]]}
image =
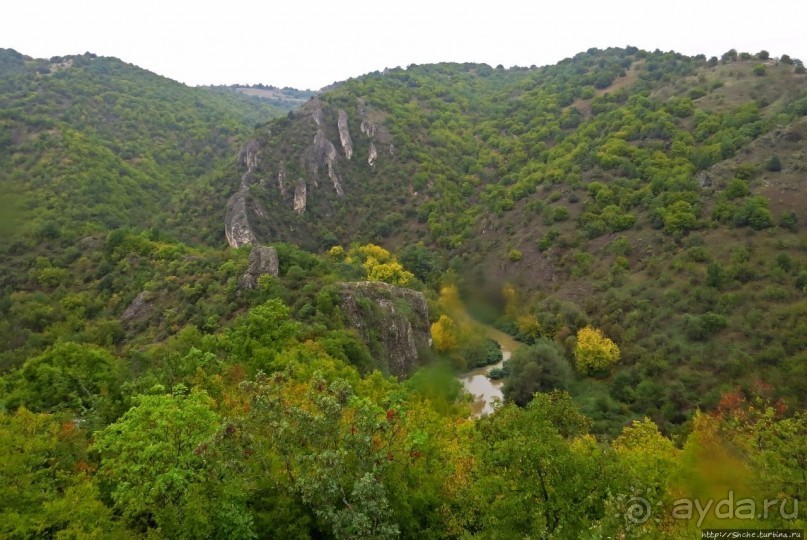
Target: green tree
{"points": [[538, 368], [67, 376], [160, 478], [679, 218], [539, 474], [46, 490]]}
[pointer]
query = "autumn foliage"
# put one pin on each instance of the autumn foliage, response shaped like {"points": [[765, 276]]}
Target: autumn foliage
{"points": [[594, 352]]}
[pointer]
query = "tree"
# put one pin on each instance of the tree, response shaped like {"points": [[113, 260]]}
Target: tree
{"points": [[444, 334], [774, 164], [328, 448], [381, 265], [679, 218], [539, 472], [46, 489], [595, 353], [154, 459], [729, 56], [537, 368], [67, 375]]}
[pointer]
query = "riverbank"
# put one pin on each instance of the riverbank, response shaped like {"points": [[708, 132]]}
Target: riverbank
{"points": [[476, 381]]}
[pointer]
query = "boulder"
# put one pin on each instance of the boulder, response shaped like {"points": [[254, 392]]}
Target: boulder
{"points": [[262, 261]]}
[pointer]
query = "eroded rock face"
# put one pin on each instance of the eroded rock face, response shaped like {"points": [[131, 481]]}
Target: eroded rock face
{"points": [[236, 222], [300, 197], [138, 309], [394, 323], [368, 128], [371, 159], [248, 156], [344, 134], [262, 261], [281, 180], [325, 153]]}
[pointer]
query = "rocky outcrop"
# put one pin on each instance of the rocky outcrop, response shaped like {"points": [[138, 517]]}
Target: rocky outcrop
{"points": [[248, 156], [392, 321], [325, 153], [281, 180], [344, 134], [299, 197], [262, 261], [138, 309], [368, 129], [371, 159], [236, 220]]}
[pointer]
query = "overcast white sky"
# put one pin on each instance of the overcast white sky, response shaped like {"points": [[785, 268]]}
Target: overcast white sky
{"points": [[310, 44]]}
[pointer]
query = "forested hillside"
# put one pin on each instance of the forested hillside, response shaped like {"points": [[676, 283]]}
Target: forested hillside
{"points": [[91, 144], [655, 196], [634, 219]]}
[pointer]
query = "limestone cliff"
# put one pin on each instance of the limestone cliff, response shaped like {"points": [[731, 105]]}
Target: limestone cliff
{"points": [[373, 155], [300, 196], [237, 228], [299, 171], [236, 222], [344, 134], [392, 321], [325, 153], [262, 260]]}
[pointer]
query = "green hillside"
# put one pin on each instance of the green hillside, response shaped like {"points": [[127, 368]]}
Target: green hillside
{"points": [[652, 195], [97, 142], [635, 220]]}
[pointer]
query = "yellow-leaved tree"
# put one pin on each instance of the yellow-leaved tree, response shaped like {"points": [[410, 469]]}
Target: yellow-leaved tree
{"points": [[594, 352], [444, 334], [381, 265]]}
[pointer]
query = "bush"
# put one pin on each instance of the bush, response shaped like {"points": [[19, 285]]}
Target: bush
{"points": [[515, 255], [759, 70], [737, 188], [700, 327], [774, 164], [789, 221], [754, 213]]}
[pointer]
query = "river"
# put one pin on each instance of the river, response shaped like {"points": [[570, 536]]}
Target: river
{"points": [[476, 382]]}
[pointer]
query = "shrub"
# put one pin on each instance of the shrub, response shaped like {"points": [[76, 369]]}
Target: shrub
{"points": [[774, 164], [699, 327], [737, 188], [754, 213], [789, 221], [515, 255], [746, 171]]}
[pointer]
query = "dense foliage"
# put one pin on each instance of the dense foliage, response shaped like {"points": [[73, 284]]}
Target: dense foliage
{"points": [[620, 213]]}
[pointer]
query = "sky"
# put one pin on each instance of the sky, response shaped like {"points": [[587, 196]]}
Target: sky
{"points": [[311, 44]]}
